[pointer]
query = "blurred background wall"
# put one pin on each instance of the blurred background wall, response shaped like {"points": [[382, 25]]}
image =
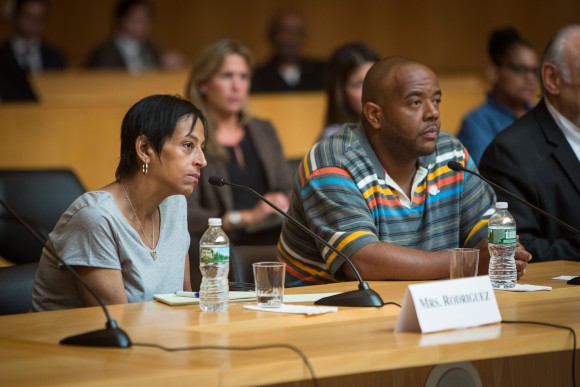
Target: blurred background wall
{"points": [[448, 35]]}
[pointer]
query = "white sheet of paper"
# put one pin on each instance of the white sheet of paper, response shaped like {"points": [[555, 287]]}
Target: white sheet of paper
{"points": [[564, 277], [527, 288], [172, 299], [296, 309]]}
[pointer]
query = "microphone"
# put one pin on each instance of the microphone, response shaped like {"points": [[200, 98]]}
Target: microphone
{"points": [[364, 296], [454, 165], [112, 335]]}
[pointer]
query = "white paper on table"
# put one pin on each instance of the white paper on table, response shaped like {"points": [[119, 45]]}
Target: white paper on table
{"points": [[564, 277], [296, 309], [526, 288]]}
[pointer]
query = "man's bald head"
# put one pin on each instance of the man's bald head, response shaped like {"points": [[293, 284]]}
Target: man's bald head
{"points": [[377, 80]]}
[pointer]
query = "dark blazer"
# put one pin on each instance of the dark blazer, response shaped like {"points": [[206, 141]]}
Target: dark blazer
{"points": [[52, 59], [14, 84], [208, 201], [107, 55], [533, 160], [267, 79]]}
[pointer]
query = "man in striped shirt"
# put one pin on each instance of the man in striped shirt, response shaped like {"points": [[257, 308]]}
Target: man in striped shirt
{"points": [[381, 191]]}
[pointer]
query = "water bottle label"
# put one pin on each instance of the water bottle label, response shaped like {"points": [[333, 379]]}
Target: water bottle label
{"points": [[214, 254], [502, 236]]}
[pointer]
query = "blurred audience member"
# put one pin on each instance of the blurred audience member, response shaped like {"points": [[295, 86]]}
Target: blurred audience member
{"points": [[130, 47], [513, 74], [345, 73], [240, 148], [287, 70], [538, 157], [25, 51]]}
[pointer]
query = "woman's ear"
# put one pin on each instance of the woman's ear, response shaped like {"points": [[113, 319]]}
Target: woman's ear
{"points": [[492, 73], [373, 114], [202, 88], [143, 149]]}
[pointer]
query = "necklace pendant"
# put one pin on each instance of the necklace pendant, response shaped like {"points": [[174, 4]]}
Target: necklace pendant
{"points": [[154, 254]]}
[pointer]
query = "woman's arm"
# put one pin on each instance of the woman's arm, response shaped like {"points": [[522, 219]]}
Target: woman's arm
{"points": [[187, 275], [108, 283]]}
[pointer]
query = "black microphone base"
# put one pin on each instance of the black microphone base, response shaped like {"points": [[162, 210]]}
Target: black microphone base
{"points": [[364, 298], [108, 337]]}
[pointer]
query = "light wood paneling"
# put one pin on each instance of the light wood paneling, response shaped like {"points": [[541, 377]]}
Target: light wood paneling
{"points": [[77, 124], [449, 35]]}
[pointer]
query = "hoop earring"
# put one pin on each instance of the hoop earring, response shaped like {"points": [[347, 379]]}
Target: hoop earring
{"points": [[145, 169]]}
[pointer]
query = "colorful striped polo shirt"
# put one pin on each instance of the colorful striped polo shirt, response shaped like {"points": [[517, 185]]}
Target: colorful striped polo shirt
{"points": [[343, 194]]}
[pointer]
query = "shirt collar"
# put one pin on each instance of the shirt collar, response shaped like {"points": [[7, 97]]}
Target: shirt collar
{"points": [[498, 105], [563, 123], [570, 131], [424, 163], [20, 44]]}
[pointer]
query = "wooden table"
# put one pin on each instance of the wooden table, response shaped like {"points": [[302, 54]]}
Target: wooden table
{"points": [[354, 347]]}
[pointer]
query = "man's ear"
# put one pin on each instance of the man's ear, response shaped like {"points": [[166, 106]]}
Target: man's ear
{"points": [[373, 114], [492, 73], [143, 149], [551, 78]]}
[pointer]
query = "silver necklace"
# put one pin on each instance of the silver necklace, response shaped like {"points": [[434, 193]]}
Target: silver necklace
{"points": [[152, 249]]}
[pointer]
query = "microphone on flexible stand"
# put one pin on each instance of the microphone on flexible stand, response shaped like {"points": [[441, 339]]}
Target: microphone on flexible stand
{"points": [[112, 335], [364, 296], [454, 165]]}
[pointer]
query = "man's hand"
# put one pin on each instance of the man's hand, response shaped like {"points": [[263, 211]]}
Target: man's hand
{"points": [[522, 258]]}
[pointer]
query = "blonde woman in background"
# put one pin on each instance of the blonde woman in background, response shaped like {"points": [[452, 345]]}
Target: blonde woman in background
{"points": [[240, 148]]}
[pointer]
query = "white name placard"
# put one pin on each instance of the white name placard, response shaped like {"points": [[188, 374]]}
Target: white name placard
{"points": [[450, 304]]}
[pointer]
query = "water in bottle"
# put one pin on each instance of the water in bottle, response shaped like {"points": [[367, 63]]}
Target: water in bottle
{"points": [[214, 263], [502, 248]]}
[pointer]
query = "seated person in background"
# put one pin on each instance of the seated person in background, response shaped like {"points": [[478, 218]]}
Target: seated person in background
{"points": [[130, 47], [288, 70], [345, 73], [25, 52], [538, 157], [380, 191], [513, 75], [129, 240], [242, 149]]}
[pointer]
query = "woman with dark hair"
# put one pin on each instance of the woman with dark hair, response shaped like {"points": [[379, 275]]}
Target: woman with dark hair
{"points": [[241, 148], [513, 75], [129, 240], [346, 72]]}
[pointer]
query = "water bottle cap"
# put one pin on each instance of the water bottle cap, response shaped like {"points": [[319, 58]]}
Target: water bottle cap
{"points": [[501, 205], [215, 221]]}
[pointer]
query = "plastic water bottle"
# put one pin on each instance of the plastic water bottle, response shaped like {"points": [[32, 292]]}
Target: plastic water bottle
{"points": [[214, 263], [502, 248]]}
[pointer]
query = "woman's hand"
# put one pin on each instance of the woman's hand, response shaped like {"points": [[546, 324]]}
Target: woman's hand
{"points": [[262, 210]]}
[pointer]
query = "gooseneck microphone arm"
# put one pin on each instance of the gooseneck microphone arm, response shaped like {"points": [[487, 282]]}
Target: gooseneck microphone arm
{"points": [[454, 165], [112, 335], [364, 296]]}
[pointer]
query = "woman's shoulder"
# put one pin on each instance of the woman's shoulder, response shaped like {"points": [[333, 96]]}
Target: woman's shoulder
{"points": [[91, 208], [94, 201], [260, 124]]}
